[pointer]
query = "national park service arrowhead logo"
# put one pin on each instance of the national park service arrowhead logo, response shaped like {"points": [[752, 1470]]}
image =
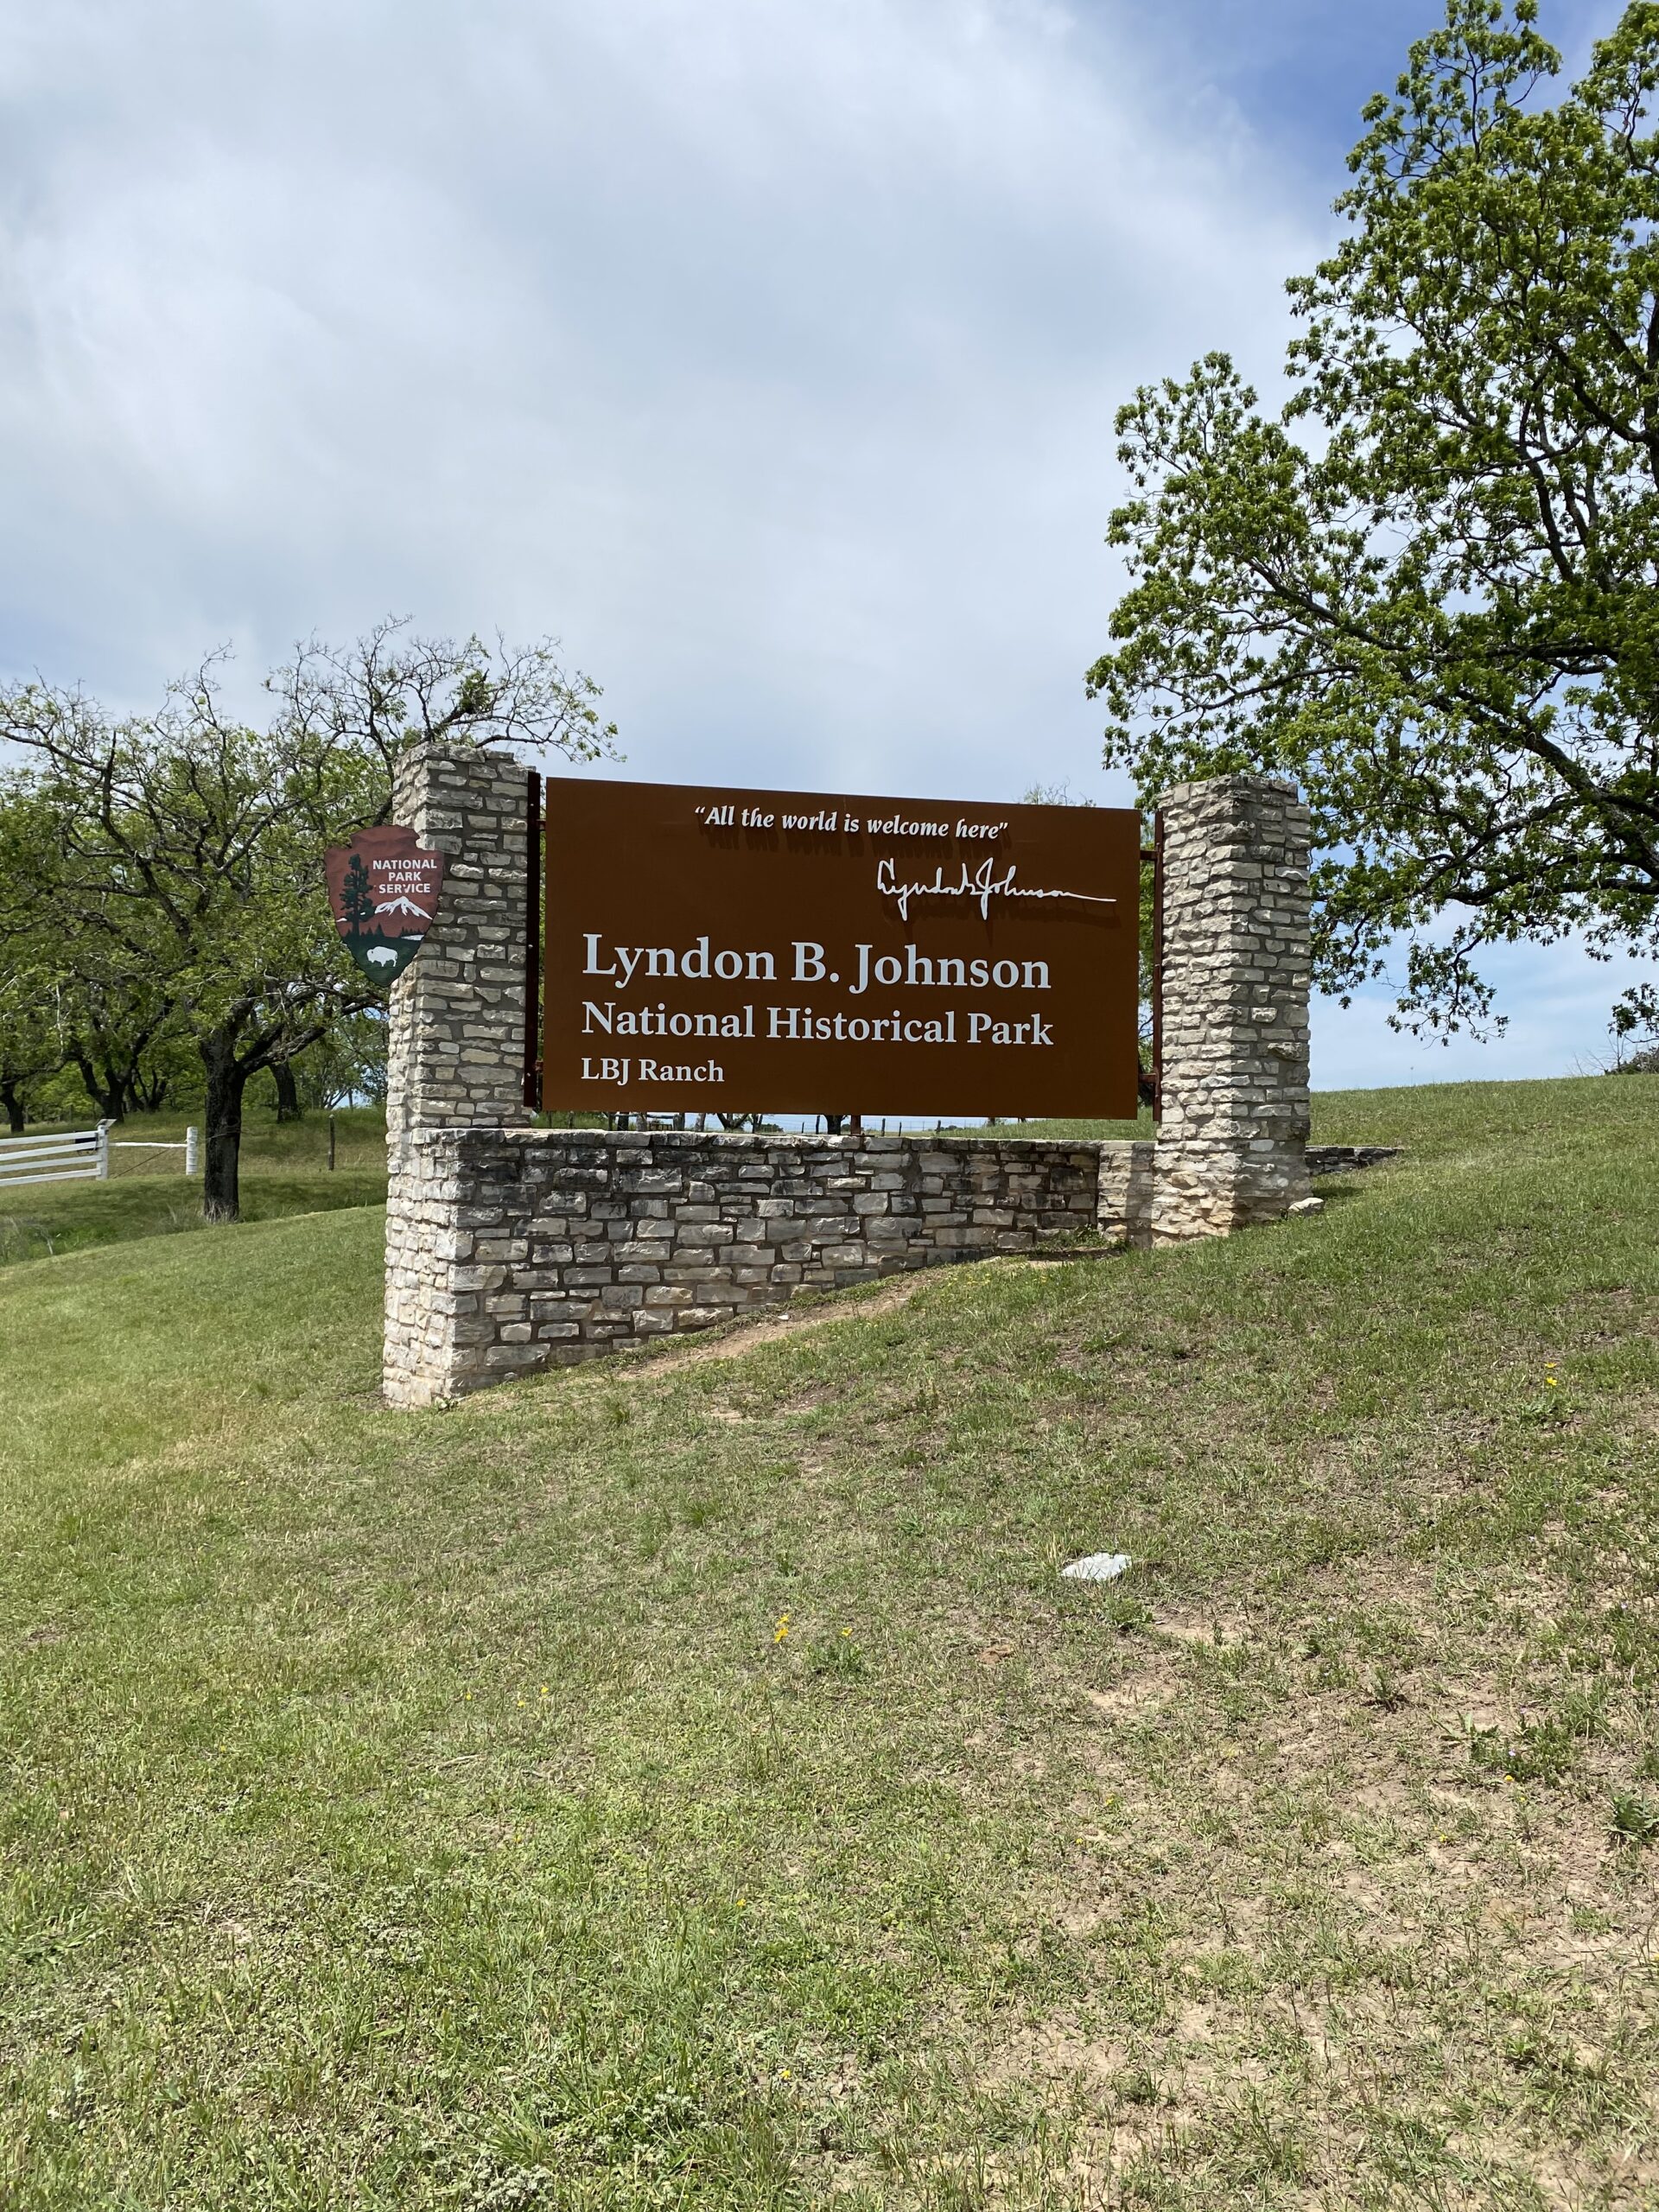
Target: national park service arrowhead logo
{"points": [[383, 889]]}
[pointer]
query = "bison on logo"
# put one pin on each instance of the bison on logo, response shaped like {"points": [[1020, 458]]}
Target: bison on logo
{"points": [[383, 889]]}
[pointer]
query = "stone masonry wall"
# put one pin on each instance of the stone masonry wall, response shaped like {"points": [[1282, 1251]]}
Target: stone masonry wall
{"points": [[1233, 1129], [510, 1250]]}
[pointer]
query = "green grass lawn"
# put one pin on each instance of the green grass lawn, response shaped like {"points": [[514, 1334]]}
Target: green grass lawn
{"points": [[688, 1783], [284, 1170]]}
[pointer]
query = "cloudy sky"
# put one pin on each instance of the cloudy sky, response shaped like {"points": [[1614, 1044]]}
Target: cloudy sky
{"points": [[764, 350]]}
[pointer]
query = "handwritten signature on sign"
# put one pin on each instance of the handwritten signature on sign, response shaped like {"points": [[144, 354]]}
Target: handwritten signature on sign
{"points": [[982, 884]]}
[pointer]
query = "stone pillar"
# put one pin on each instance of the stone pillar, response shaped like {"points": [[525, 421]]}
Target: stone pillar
{"points": [[457, 1043], [1233, 1133]]}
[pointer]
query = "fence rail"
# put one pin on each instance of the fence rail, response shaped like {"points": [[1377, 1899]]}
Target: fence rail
{"points": [[78, 1155], [73, 1156], [189, 1145]]}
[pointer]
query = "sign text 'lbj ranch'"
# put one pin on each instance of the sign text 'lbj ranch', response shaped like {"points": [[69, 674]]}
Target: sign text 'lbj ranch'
{"points": [[710, 948]]}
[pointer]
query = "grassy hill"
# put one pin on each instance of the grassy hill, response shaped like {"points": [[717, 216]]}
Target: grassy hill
{"points": [[691, 1782]]}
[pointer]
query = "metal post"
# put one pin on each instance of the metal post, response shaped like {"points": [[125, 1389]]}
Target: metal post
{"points": [[331, 1144], [192, 1150], [533, 944], [103, 1172]]}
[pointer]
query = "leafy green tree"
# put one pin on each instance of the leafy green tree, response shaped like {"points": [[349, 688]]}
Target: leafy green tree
{"points": [[123, 1040], [31, 1048], [1426, 590], [194, 844], [32, 1045], [348, 1065], [85, 1001]]}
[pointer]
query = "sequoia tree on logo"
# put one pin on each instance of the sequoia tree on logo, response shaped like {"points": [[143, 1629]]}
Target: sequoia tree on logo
{"points": [[383, 889], [356, 899]]}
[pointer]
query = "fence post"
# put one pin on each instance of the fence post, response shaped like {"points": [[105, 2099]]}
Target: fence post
{"points": [[191, 1143], [104, 1129]]}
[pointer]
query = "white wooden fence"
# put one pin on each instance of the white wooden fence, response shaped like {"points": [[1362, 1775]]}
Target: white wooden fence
{"points": [[80, 1155]]}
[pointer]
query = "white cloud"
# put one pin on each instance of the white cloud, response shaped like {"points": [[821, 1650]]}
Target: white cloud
{"points": [[765, 352]]}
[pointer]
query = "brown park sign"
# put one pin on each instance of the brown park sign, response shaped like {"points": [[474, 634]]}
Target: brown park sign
{"points": [[383, 888], [778, 951]]}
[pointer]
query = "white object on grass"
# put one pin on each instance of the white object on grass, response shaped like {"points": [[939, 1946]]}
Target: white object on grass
{"points": [[1099, 1567]]}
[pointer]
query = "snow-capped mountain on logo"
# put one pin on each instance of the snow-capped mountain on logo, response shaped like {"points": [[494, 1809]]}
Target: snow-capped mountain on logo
{"points": [[402, 905]]}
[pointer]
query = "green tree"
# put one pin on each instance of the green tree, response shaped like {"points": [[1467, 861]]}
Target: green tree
{"points": [[85, 999], [348, 1065], [32, 1042], [31, 1048], [194, 843], [1426, 590], [121, 1035]]}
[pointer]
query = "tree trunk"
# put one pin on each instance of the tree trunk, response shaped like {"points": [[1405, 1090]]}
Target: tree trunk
{"points": [[149, 1092], [288, 1108], [222, 1114], [109, 1095], [11, 1099]]}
